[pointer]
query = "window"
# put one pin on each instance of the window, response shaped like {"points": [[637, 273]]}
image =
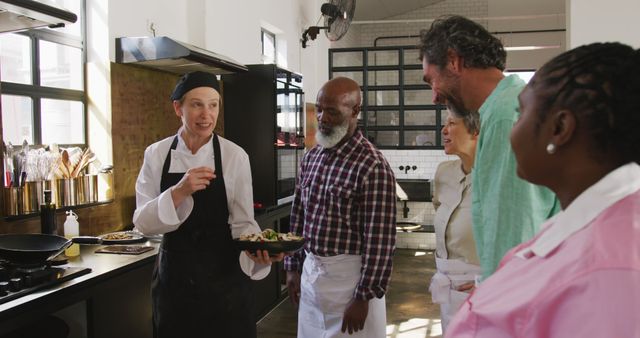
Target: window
{"points": [[268, 47], [525, 75], [42, 74], [397, 110]]}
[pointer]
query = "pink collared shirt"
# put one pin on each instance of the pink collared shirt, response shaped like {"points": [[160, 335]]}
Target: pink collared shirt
{"points": [[579, 277]]}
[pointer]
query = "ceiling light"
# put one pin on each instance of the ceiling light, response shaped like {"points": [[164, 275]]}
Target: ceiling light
{"points": [[519, 48]]}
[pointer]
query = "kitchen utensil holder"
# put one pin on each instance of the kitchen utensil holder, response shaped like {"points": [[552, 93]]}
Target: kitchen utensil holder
{"points": [[86, 189], [31, 197], [12, 201], [66, 192], [26, 199]]}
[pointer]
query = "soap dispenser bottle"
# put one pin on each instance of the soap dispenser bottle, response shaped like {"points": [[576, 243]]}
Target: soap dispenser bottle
{"points": [[71, 229]]}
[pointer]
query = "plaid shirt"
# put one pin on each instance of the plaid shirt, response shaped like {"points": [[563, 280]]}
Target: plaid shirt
{"points": [[345, 203]]}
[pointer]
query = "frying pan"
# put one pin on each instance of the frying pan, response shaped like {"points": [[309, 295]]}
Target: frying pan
{"points": [[31, 249], [37, 249]]}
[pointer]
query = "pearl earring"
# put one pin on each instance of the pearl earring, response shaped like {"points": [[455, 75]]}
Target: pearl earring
{"points": [[551, 148]]}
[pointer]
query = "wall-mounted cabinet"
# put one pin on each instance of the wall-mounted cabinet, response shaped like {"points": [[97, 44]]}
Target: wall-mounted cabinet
{"points": [[397, 109], [264, 115]]}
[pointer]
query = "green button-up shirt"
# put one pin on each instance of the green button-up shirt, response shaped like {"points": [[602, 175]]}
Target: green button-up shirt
{"points": [[506, 209]]}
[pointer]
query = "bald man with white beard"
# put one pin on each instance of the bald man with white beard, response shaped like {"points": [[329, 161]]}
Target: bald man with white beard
{"points": [[345, 208]]}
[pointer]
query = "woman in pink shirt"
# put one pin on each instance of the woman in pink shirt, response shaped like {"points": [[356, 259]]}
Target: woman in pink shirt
{"points": [[580, 276]]}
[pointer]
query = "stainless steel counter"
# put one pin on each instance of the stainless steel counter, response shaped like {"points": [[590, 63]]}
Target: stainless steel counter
{"points": [[101, 265], [90, 287]]}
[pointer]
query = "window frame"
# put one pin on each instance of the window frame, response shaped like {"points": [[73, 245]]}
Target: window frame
{"points": [[518, 71], [274, 57], [36, 91], [365, 69]]}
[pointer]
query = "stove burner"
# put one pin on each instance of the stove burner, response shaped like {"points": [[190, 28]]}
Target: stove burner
{"points": [[59, 260], [34, 266], [24, 267], [30, 269], [17, 281]]}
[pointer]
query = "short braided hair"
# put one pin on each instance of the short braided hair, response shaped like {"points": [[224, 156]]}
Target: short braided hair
{"points": [[600, 84]]}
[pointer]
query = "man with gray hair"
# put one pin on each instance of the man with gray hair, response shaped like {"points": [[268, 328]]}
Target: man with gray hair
{"points": [[463, 63]]}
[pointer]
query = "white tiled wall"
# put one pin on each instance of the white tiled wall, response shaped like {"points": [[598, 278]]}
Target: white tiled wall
{"points": [[419, 212], [426, 162]]}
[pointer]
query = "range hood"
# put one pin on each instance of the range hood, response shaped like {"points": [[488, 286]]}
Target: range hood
{"points": [[17, 15], [165, 54]]}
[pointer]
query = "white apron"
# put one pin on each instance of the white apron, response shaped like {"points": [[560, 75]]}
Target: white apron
{"points": [[451, 274], [326, 287]]}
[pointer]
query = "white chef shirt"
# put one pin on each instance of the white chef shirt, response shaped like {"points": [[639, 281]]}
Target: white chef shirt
{"points": [[155, 212]]}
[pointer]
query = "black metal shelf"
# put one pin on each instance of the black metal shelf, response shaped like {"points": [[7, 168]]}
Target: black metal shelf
{"points": [[254, 125]]}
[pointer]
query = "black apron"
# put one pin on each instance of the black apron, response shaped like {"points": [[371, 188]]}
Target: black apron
{"points": [[199, 289]]}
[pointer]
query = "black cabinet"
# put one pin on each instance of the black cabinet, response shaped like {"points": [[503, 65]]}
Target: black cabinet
{"points": [[263, 114], [122, 305]]}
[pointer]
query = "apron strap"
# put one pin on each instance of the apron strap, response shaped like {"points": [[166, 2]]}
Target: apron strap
{"points": [[217, 157], [164, 184], [449, 274]]}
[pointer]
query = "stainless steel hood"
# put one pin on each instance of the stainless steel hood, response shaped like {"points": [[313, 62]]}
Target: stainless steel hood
{"points": [[165, 54], [17, 15]]}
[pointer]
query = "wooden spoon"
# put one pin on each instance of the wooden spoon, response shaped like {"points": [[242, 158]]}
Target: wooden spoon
{"points": [[86, 157], [66, 171]]}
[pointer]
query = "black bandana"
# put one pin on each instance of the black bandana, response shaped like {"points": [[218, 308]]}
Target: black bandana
{"points": [[194, 80]]}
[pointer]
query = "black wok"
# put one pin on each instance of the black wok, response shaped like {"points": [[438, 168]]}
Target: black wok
{"points": [[37, 249], [31, 249]]}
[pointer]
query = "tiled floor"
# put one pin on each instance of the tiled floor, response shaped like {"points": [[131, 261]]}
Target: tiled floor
{"points": [[410, 312]]}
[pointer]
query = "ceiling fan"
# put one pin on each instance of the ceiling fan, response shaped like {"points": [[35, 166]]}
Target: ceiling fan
{"points": [[337, 18]]}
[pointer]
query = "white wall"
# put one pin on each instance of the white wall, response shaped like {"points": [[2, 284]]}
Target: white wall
{"points": [[287, 19], [99, 81], [314, 59], [524, 15], [170, 18], [600, 21], [496, 15], [230, 28], [407, 24]]}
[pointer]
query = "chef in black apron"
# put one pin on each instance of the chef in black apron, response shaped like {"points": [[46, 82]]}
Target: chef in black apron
{"points": [[195, 188]]}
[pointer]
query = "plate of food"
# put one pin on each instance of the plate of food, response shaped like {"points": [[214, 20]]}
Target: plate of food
{"points": [[122, 237], [270, 240]]}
